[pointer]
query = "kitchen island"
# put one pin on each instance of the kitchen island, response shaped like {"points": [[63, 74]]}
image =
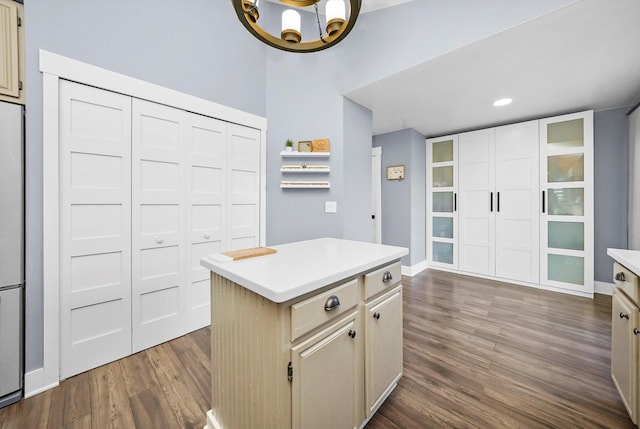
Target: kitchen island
{"points": [[308, 337]]}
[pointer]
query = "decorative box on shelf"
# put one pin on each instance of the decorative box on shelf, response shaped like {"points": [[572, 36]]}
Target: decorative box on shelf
{"points": [[305, 184]]}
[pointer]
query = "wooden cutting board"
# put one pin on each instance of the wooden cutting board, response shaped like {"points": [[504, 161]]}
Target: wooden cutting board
{"points": [[249, 253]]}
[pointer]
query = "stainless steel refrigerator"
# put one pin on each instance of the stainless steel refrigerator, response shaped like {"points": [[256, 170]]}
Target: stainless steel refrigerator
{"points": [[11, 252]]}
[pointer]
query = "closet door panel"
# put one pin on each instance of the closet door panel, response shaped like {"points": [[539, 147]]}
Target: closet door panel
{"points": [[95, 227], [206, 193], [517, 220], [243, 187], [476, 207], [158, 224]]}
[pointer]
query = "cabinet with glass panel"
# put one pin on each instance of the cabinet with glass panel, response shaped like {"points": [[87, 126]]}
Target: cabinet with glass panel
{"points": [[566, 222], [442, 186]]}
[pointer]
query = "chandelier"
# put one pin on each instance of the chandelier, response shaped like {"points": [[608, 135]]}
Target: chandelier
{"points": [[337, 25]]}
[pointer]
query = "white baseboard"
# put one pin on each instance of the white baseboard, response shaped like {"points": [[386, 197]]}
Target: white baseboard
{"points": [[603, 287], [414, 269], [34, 383]]}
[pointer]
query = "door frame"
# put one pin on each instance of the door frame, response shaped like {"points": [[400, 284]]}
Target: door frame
{"points": [[55, 67], [376, 192]]}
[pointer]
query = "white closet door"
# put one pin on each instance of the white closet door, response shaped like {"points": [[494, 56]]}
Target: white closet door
{"points": [[243, 187], [517, 218], [477, 202], [206, 184], [158, 224], [95, 227]]}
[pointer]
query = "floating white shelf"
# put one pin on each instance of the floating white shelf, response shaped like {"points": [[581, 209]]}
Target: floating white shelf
{"points": [[304, 184], [286, 154], [311, 168]]}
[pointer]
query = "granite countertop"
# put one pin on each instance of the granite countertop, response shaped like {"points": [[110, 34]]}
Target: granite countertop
{"points": [[302, 267]]}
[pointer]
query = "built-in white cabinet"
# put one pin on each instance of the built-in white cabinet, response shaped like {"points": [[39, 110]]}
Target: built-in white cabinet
{"points": [[12, 61], [442, 215], [520, 206], [145, 191], [566, 181]]}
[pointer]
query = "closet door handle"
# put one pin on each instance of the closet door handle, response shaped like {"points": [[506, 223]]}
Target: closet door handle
{"points": [[491, 201], [543, 201], [498, 202], [455, 202]]}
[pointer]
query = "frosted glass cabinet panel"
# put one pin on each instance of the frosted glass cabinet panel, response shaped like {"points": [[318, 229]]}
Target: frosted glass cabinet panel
{"points": [[442, 188], [566, 221]]}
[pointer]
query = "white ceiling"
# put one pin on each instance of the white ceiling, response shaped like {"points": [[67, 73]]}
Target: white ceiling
{"points": [[583, 56]]}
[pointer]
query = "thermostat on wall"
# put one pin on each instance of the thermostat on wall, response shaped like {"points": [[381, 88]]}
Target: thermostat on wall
{"points": [[395, 172]]}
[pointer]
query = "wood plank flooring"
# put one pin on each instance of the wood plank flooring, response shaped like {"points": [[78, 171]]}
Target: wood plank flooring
{"points": [[477, 354]]}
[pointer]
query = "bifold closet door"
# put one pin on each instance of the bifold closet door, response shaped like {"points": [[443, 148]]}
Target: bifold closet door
{"points": [[95, 227], [158, 179], [243, 187], [206, 192], [477, 203], [517, 217]]}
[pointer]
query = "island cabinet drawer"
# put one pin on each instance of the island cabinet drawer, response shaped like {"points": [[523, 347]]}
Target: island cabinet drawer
{"points": [[626, 280], [381, 279], [313, 312]]}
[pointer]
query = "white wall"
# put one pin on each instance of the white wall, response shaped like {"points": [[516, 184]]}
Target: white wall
{"points": [[634, 180]]}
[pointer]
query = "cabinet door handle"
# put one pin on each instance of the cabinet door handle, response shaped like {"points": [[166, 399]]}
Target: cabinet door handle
{"points": [[620, 276], [159, 240], [352, 333], [332, 303], [543, 201], [636, 331], [624, 316], [376, 315], [386, 277], [491, 201]]}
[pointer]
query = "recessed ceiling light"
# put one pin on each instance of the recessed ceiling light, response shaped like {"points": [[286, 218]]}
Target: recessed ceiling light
{"points": [[502, 102]]}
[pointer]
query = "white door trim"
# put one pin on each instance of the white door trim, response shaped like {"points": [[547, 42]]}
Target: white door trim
{"points": [[376, 168], [55, 67]]}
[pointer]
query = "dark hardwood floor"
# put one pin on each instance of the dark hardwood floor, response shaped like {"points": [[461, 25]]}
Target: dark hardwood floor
{"points": [[477, 354]]}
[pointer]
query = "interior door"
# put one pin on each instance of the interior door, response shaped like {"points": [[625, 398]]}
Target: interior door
{"points": [[158, 223], [243, 187], [206, 184], [477, 203], [95, 227], [376, 194], [517, 217]]}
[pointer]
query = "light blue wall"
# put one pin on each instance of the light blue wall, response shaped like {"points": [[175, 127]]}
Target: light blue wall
{"points": [[193, 46], [403, 201], [611, 177]]}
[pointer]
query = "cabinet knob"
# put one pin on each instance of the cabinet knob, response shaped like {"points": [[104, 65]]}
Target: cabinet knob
{"points": [[376, 315], [624, 316], [387, 276], [207, 235], [636, 331], [332, 303], [352, 333], [620, 276], [159, 240]]}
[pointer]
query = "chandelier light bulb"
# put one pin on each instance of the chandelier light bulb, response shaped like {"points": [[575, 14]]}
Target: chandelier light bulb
{"points": [[336, 13], [291, 26]]}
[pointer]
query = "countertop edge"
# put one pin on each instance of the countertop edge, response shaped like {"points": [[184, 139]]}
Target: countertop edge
{"points": [[628, 258]]}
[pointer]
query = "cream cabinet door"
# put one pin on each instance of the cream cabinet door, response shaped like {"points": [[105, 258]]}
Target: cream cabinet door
{"points": [[383, 348], [158, 223], [325, 378], [95, 227], [624, 351], [477, 203], [9, 59], [206, 217]]}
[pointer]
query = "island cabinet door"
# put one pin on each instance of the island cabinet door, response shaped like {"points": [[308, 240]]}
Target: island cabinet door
{"points": [[326, 378], [383, 347]]}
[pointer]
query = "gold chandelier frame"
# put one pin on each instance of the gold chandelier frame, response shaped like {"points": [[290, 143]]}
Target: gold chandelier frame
{"points": [[249, 18]]}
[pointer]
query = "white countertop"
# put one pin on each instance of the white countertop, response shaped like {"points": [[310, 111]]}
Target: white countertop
{"points": [[302, 267], [628, 258]]}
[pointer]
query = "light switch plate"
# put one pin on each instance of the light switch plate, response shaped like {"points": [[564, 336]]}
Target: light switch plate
{"points": [[331, 207]]}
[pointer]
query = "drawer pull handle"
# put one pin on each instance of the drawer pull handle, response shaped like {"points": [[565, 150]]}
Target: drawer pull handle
{"points": [[376, 315], [636, 331], [352, 333], [332, 303], [387, 276], [159, 240], [620, 276], [207, 235], [624, 316]]}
